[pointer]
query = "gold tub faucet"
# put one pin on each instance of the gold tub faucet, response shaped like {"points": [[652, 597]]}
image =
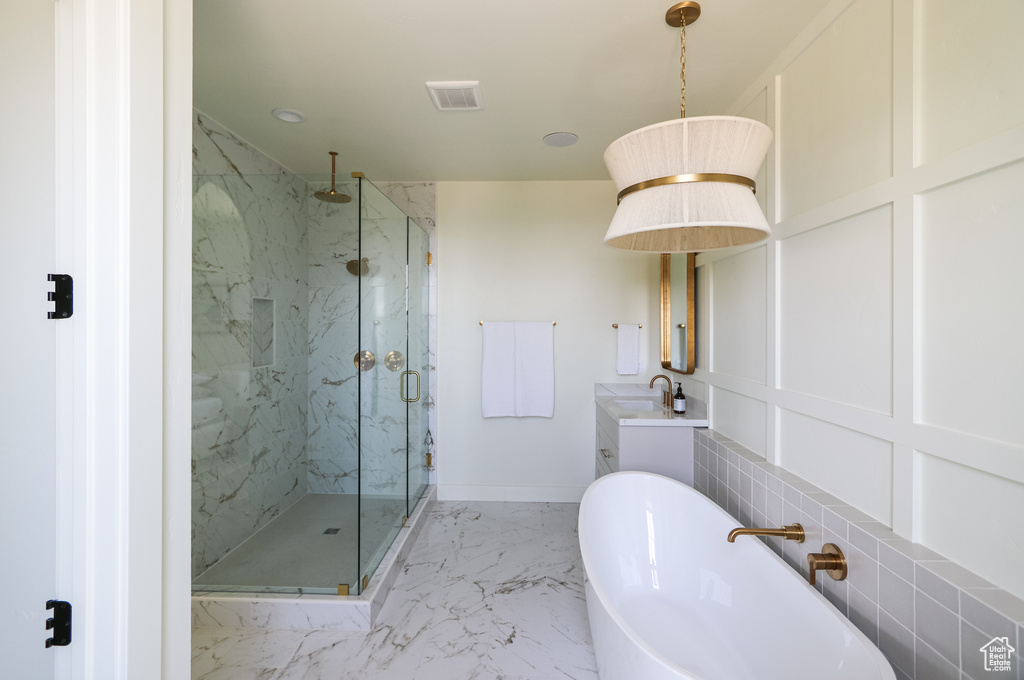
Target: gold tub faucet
{"points": [[831, 560], [666, 395], [790, 532]]}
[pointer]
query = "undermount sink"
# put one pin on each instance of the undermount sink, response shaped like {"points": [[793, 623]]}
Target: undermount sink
{"points": [[638, 404]]}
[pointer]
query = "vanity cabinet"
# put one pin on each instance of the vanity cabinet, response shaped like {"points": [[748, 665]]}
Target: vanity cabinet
{"points": [[650, 441], [663, 450], [607, 459]]}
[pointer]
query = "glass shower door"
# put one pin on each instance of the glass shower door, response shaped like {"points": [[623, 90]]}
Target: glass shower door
{"points": [[383, 335], [417, 385]]}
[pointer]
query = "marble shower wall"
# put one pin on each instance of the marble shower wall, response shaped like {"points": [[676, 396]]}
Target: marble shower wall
{"points": [[334, 339], [418, 200], [249, 421], [264, 435], [333, 342]]}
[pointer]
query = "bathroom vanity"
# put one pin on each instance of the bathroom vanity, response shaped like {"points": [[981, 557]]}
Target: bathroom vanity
{"points": [[635, 432]]}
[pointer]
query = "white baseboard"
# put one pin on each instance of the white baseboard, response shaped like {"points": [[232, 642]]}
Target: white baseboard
{"points": [[519, 494]]}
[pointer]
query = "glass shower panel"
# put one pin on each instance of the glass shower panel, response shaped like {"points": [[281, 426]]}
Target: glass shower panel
{"points": [[333, 417], [417, 384], [383, 352]]}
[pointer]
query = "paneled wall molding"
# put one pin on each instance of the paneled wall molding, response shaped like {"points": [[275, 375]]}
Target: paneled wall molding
{"points": [[738, 385], [995, 458], [929, 615], [819, 24], [994, 153], [748, 388], [1002, 149], [869, 422], [919, 107]]}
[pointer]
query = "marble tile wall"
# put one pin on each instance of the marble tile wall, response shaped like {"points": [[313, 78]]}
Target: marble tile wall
{"points": [[333, 342], [928, 615], [418, 200], [265, 435], [334, 339], [249, 423]]}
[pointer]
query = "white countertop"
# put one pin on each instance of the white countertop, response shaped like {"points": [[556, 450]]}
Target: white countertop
{"points": [[626, 410]]}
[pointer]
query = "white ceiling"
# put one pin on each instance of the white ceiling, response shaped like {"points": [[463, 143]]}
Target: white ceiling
{"points": [[357, 69]]}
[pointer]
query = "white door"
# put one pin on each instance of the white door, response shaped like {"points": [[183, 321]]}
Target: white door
{"points": [[28, 478]]}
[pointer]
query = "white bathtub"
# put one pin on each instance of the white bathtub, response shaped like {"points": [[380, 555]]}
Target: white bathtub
{"points": [[669, 597]]}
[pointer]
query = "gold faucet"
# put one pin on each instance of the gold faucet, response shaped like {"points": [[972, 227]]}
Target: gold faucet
{"points": [[790, 532], [831, 560], [666, 395]]}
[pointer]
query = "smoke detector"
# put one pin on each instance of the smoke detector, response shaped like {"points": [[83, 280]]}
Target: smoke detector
{"points": [[456, 95]]}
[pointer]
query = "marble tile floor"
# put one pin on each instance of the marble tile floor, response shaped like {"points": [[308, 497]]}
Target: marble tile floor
{"points": [[491, 591], [292, 551]]}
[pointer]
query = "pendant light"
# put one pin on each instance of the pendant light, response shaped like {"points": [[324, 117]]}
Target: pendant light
{"points": [[687, 185]]}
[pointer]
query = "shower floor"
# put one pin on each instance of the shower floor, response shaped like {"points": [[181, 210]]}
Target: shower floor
{"points": [[293, 552]]}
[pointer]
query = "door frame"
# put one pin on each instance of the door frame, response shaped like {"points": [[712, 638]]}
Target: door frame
{"points": [[124, 206]]}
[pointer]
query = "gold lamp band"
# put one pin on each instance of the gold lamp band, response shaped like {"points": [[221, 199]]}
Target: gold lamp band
{"points": [[684, 179]]}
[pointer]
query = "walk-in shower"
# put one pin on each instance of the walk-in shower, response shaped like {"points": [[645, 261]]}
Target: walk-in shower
{"points": [[310, 389]]}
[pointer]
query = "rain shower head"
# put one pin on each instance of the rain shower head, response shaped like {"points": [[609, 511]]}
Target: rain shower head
{"points": [[332, 196]]}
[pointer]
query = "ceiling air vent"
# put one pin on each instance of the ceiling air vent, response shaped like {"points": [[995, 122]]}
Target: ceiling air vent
{"points": [[459, 95]]}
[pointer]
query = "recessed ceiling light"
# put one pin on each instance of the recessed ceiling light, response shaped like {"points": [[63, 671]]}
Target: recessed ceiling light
{"points": [[289, 115], [560, 139]]}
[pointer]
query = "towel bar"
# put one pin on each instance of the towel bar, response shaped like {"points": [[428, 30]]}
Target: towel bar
{"points": [[639, 325], [553, 323]]}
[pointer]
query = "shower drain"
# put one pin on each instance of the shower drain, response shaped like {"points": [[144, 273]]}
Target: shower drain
{"points": [[332, 531]]}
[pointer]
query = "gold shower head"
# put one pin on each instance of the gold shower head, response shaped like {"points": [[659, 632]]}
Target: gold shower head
{"points": [[332, 196]]}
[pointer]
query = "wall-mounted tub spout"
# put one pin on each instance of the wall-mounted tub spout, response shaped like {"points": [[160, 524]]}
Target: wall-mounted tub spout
{"points": [[790, 532]]}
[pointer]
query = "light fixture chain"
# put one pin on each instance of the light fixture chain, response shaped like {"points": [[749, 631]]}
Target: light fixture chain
{"points": [[682, 63]]}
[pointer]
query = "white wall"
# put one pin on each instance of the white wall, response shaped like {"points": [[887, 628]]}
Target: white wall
{"points": [[532, 251], [872, 345]]}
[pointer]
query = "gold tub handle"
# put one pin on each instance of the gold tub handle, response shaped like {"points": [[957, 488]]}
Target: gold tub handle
{"points": [[401, 386]]}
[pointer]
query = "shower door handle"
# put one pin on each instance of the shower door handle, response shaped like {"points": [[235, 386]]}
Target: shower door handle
{"points": [[401, 386]]}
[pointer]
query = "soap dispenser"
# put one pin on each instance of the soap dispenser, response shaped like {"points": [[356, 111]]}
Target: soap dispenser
{"points": [[679, 400]]}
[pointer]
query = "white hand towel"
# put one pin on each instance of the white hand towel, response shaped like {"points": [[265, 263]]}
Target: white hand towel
{"points": [[535, 369], [628, 360], [498, 369]]}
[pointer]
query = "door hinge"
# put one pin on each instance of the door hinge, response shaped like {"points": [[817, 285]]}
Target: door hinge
{"points": [[60, 624], [62, 297]]}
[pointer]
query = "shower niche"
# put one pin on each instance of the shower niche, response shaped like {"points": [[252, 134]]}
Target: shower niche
{"points": [[262, 332], [305, 467]]}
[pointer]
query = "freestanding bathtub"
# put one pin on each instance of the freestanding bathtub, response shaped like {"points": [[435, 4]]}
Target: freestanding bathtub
{"points": [[669, 597]]}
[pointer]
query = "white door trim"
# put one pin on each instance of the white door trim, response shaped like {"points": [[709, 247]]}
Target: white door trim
{"points": [[110, 120], [177, 482]]}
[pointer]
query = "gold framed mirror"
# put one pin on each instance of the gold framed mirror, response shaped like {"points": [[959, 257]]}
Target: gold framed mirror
{"points": [[678, 282]]}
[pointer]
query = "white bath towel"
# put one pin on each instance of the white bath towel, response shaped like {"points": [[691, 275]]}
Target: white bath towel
{"points": [[498, 369], [535, 369], [628, 359], [518, 369]]}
